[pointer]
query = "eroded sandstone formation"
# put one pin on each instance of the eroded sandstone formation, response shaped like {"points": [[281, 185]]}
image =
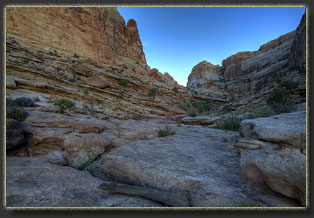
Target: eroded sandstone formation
{"points": [[242, 72]]}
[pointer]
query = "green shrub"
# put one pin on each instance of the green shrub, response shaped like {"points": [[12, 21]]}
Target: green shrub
{"points": [[175, 89], [123, 82], [119, 129], [75, 55], [226, 107], [15, 113], [153, 92], [64, 104], [99, 101], [260, 112], [232, 122], [36, 99], [167, 130], [86, 90], [258, 87], [192, 114], [280, 100], [86, 107], [54, 53], [204, 106], [20, 102], [287, 84]]}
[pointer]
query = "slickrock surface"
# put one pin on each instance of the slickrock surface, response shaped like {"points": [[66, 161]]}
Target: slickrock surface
{"points": [[273, 153], [32, 182], [198, 160]]}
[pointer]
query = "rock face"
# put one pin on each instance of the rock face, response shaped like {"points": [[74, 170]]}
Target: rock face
{"points": [[298, 54], [32, 182], [242, 72], [14, 134], [55, 52], [197, 160], [273, 154], [96, 33]]}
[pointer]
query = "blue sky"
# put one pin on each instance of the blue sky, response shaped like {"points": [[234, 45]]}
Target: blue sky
{"points": [[177, 38]]}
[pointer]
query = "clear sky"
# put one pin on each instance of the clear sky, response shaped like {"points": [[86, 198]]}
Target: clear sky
{"points": [[177, 38]]}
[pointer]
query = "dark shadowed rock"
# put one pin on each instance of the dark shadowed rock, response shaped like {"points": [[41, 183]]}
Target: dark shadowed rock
{"points": [[14, 134]]}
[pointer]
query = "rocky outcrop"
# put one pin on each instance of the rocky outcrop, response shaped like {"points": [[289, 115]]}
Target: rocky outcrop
{"points": [[196, 160], [96, 33], [298, 55], [14, 134], [242, 73], [33, 182], [273, 153]]}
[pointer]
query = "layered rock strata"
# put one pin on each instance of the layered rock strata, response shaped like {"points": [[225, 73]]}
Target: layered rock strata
{"points": [[273, 153]]}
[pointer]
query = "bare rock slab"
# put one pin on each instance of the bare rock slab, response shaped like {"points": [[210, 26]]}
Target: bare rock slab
{"points": [[287, 128], [33, 182], [200, 161]]}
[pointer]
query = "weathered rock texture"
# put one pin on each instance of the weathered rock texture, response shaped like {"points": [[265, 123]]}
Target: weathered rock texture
{"points": [[298, 54], [96, 33], [56, 52], [199, 161], [32, 182], [241, 72], [273, 153]]}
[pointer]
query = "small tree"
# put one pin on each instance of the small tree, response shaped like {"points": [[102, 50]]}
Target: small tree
{"points": [[153, 92], [64, 104]]}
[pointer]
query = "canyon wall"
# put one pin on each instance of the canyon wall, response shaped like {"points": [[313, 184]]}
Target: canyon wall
{"points": [[241, 72], [57, 52]]}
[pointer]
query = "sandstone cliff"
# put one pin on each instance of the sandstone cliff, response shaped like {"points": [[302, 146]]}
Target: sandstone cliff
{"points": [[242, 72], [57, 52], [96, 33]]}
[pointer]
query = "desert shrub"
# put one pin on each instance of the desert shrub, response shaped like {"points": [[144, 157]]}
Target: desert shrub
{"points": [[153, 92], [280, 100], [204, 106], [122, 82], [167, 130], [258, 87], [54, 53], [75, 55], [137, 62], [64, 104], [175, 89], [20, 102], [232, 122], [181, 106], [192, 114], [260, 112], [86, 107], [287, 84], [36, 99], [16, 113], [226, 107], [86, 90], [119, 129], [99, 101]]}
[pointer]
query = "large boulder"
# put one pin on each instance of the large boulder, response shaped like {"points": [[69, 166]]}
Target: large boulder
{"points": [[33, 182], [14, 134], [287, 128], [272, 153], [283, 171]]}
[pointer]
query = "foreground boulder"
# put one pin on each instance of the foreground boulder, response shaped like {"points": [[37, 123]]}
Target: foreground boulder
{"points": [[32, 182], [14, 134], [272, 153], [196, 160]]}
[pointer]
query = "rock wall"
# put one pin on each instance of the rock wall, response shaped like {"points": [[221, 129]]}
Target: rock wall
{"points": [[243, 71], [96, 33], [57, 52]]}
